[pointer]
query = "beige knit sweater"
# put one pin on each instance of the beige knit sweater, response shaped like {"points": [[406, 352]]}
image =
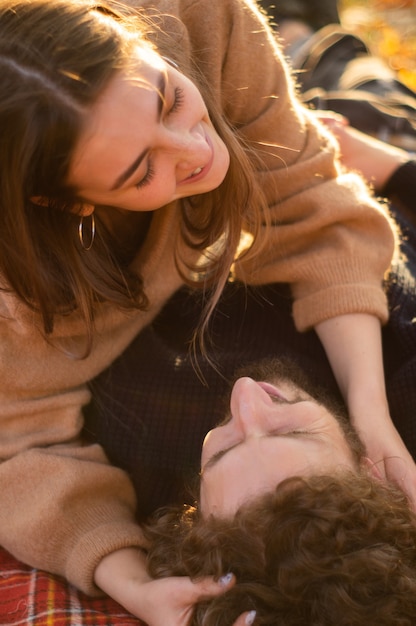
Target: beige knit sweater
{"points": [[62, 506]]}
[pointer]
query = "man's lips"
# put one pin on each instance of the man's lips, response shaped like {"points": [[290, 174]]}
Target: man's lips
{"points": [[272, 390]]}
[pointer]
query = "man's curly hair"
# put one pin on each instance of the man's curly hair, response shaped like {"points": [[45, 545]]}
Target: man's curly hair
{"points": [[322, 551]]}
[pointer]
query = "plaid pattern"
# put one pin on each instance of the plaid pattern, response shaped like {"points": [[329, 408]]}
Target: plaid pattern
{"points": [[32, 597]]}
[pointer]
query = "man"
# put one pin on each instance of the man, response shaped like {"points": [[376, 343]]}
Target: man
{"points": [[156, 404], [290, 505], [279, 425], [338, 546]]}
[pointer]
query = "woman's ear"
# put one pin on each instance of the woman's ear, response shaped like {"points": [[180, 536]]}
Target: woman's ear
{"points": [[40, 200], [371, 468], [86, 209], [81, 208]]}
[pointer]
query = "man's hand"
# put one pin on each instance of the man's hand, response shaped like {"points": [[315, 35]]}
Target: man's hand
{"points": [[375, 159]]}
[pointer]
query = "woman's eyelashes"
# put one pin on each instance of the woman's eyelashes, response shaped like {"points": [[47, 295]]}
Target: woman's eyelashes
{"points": [[148, 177], [178, 98]]}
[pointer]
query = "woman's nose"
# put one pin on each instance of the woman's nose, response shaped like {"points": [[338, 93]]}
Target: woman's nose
{"points": [[190, 146], [249, 404]]}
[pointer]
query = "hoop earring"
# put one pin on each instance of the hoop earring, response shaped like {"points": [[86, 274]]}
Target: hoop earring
{"points": [[81, 232], [171, 62]]}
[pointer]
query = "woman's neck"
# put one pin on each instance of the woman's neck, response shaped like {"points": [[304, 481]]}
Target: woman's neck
{"points": [[129, 228]]}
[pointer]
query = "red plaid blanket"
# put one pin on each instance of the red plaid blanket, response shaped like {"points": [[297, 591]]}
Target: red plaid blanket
{"points": [[30, 596]]}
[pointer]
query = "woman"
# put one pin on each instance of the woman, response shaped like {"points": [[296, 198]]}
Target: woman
{"points": [[123, 178]]}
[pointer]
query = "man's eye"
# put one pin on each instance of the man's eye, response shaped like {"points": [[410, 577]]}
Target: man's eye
{"points": [[178, 100]]}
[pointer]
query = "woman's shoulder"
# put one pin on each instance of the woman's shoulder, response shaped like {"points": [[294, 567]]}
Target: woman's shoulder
{"points": [[201, 18]]}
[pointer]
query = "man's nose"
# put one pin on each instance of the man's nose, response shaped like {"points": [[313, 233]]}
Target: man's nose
{"points": [[249, 403]]}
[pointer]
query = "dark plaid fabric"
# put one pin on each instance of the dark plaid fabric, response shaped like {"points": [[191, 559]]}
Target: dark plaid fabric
{"points": [[34, 598], [153, 408]]}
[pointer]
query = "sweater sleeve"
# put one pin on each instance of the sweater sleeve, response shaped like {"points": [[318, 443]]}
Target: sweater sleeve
{"points": [[63, 506], [327, 237]]}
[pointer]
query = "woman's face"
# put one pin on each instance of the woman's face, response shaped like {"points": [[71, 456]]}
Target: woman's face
{"points": [[147, 141]]}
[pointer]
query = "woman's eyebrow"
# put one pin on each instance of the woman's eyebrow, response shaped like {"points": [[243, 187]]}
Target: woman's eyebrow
{"points": [[161, 93]]}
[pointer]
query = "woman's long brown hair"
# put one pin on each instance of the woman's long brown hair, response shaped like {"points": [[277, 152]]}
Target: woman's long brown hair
{"points": [[56, 57]]}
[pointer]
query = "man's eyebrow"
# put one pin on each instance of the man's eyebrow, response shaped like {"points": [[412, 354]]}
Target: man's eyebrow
{"points": [[217, 456], [161, 91], [213, 460]]}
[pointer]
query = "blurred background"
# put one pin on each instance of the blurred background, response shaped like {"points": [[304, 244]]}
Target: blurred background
{"points": [[389, 28]]}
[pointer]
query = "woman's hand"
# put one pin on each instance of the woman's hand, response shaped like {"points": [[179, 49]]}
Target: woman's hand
{"points": [[163, 602], [171, 601], [353, 345], [387, 452], [246, 619]]}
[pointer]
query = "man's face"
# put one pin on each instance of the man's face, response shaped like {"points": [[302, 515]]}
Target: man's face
{"points": [[274, 430]]}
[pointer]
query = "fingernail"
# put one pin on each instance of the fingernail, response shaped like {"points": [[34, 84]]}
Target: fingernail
{"points": [[250, 617], [226, 579]]}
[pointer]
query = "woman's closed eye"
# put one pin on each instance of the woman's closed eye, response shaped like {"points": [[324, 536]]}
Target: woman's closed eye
{"points": [[148, 177]]}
